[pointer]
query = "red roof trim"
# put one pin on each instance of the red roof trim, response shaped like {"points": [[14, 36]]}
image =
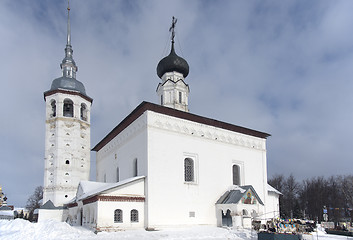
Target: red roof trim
{"points": [[144, 106]]}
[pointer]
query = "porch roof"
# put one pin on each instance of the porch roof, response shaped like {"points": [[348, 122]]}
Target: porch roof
{"points": [[234, 195]]}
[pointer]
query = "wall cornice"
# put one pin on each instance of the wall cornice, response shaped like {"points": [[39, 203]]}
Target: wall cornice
{"points": [[133, 129], [194, 129]]}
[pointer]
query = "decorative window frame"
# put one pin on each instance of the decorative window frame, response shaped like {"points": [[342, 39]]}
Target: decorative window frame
{"points": [[195, 158]]}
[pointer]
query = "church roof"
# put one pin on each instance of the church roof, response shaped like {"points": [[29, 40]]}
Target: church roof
{"points": [[272, 189], [234, 195], [172, 63], [91, 188], [5, 208], [68, 84], [49, 205], [147, 106]]}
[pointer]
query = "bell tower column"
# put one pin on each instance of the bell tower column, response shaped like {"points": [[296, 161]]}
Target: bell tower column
{"points": [[67, 137]]}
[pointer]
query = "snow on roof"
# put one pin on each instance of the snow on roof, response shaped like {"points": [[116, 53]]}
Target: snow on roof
{"points": [[235, 193], [272, 189], [50, 205], [91, 188], [7, 213], [21, 209], [236, 188], [5, 208]]}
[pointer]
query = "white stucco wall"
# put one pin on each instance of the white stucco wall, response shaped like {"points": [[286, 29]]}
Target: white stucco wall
{"points": [[272, 205], [105, 217], [45, 214], [130, 145]]}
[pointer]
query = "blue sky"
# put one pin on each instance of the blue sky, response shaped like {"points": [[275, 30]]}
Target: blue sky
{"points": [[281, 67]]}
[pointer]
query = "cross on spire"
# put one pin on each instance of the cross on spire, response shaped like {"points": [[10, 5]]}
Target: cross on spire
{"points": [[172, 28]]}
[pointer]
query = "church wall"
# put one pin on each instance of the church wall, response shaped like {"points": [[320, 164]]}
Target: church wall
{"points": [[45, 214], [171, 200], [105, 216], [272, 206], [124, 151]]}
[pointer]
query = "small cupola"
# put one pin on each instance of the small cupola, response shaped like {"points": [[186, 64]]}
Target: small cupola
{"points": [[172, 70]]}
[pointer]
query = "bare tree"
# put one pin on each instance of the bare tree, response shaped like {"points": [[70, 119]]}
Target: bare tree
{"points": [[277, 182], [35, 200], [290, 200], [347, 189]]}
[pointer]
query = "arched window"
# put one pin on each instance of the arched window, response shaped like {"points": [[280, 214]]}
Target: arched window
{"points": [[135, 168], [67, 162], [53, 109], [118, 216], [68, 110], [83, 112], [134, 215], [117, 174], [180, 97], [236, 175], [188, 170]]}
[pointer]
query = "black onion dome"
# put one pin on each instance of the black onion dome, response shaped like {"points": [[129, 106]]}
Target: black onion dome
{"points": [[171, 63]]}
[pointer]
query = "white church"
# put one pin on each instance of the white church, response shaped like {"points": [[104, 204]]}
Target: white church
{"points": [[161, 166]]}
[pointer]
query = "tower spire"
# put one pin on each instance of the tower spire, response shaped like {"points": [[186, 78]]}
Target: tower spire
{"points": [[68, 24], [68, 64]]}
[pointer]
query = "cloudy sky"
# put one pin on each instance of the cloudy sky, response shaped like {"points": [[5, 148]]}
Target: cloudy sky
{"points": [[281, 67]]}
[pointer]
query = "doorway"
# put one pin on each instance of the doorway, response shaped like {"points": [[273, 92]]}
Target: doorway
{"points": [[227, 219]]}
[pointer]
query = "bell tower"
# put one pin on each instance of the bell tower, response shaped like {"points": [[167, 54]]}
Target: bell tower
{"points": [[173, 92], [67, 135]]}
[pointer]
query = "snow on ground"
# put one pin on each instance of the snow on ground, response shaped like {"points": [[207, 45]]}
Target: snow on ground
{"points": [[50, 230], [24, 230]]}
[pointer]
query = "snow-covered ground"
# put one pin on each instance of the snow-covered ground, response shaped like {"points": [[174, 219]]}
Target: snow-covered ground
{"points": [[24, 230]]}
